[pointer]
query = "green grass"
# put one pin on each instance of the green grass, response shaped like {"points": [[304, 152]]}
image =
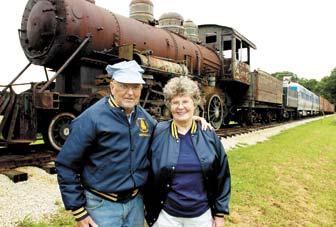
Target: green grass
{"points": [[289, 180], [62, 218], [37, 142]]}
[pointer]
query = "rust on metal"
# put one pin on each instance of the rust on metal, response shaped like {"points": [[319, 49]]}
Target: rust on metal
{"points": [[143, 36], [241, 72], [46, 100], [233, 49], [18, 124], [162, 65], [126, 51]]}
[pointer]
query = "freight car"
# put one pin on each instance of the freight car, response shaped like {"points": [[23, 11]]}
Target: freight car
{"points": [[325, 106], [77, 39], [263, 100]]}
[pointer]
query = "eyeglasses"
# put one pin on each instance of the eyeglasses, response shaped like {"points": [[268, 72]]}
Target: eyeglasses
{"points": [[184, 103], [129, 86]]}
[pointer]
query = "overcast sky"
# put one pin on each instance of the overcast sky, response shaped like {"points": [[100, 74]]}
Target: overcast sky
{"points": [[290, 35]]}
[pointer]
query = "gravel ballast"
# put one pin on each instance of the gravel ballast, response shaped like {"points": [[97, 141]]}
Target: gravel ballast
{"points": [[35, 199]]}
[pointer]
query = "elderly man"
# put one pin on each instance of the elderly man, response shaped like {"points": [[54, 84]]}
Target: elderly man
{"points": [[102, 165]]}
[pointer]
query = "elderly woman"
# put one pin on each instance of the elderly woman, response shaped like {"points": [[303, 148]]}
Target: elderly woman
{"points": [[189, 183]]}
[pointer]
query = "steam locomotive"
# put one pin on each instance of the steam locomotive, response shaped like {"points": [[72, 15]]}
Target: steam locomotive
{"points": [[77, 39]]}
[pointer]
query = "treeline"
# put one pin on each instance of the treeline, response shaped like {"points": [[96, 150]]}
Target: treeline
{"points": [[326, 87]]}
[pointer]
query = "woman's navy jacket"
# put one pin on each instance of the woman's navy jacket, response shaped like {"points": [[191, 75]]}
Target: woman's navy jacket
{"points": [[104, 152], [164, 153]]}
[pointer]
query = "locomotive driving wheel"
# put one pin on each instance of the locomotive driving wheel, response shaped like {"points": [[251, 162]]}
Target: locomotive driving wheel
{"points": [[59, 129], [215, 111]]}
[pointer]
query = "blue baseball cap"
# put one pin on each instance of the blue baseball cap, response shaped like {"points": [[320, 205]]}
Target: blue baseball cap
{"points": [[128, 72]]}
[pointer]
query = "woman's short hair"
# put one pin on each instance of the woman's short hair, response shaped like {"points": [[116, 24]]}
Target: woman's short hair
{"points": [[182, 85]]}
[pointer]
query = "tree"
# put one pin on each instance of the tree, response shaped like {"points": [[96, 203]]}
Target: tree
{"points": [[329, 86], [281, 75], [311, 84]]}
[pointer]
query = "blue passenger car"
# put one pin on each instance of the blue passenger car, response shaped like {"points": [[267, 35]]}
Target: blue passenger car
{"points": [[290, 100], [307, 101]]}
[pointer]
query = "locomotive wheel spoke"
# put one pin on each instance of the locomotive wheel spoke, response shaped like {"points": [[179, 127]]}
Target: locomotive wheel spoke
{"points": [[58, 130], [215, 111]]}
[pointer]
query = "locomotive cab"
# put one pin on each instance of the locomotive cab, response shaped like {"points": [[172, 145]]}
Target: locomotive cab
{"points": [[233, 48], [234, 51]]}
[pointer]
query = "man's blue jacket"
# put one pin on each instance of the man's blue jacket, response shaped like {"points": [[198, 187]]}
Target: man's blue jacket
{"points": [[104, 152]]}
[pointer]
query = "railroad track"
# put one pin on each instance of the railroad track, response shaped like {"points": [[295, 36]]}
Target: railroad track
{"points": [[234, 130], [34, 155]]}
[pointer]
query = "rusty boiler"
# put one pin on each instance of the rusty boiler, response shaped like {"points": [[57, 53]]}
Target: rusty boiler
{"points": [[52, 29]]}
